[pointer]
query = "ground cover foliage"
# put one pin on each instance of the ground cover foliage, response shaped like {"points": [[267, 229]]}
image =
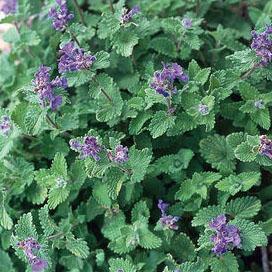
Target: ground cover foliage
{"points": [[135, 136]]}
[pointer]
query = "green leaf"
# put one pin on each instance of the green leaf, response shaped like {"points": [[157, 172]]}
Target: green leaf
{"points": [[56, 196], [25, 227], [205, 215], [137, 123], [5, 219], [108, 26], [245, 153], [100, 193], [102, 60], [124, 41], [242, 182], [59, 166], [225, 263], [78, 247], [148, 240], [29, 118], [164, 46], [251, 234], [244, 207], [139, 211], [121, 264], [202, 76], [5, 262], [46, 222], [182, 239], [160, 122], [138, 162], [218, 153]]}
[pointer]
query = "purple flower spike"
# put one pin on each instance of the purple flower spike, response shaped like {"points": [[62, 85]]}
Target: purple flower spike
{"points": [[5, 125], [31, 247], [89, 147], [73, 58], [120, 154], [127, 15], [9, 6], [226, 237], [163, 80], [168, 221], [262, 45], [265, 147], [187, 23], [60, 15], [44, 88]]}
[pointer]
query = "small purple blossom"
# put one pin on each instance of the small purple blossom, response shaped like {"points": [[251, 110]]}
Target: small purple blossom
{"points": [[5, 125], [9, 6], [163, 80], [60, 15], [44, 87], [187, 23], [31, 247], [120, 154], [226, 237], [265, 147], [73, 58], [167, 221], [262, 45], [89, 147], [259, 104], [127, 15], [203, 109]]}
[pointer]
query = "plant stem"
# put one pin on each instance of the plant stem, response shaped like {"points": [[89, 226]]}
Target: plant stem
{"points": [[249, 72], [265, 262], [111, 6], [54, 125], [73, 36], [80, 12]]}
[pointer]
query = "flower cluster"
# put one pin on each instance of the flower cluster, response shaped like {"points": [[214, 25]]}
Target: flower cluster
{"points": [[168, 221], [60, 15], [227, 236], [44, 87], [163, 80], [259, 104], [120, 154], [89, 147], [127, 15], [187, 23], [265, 147], [73, 58], [31, 247], [262, 45], [5, 125], [203, 109], [9, 6]]}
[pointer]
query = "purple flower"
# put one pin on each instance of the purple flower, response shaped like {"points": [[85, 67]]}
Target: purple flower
{"points": [[203, 109], [60, 15], [167, 221], [265, 147], [259, 104], [187, 23], [262, 45], [5, 125], [31, 247], [9, 6], [89, 147], [127, 15], [73, 58], [226, 237], [163, 80], [120, 154], [44, 87]]}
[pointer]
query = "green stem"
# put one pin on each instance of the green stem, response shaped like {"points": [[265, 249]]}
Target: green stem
{"points": [[80, 12], [73, 36], [55, 125], [111, 6]]}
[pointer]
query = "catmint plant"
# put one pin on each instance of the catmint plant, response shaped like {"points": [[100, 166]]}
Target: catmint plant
{"points": [[73, 58], [227, 236], [45, 88], [60, 15], [167, 100], [31, 248], [9, 6]]}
